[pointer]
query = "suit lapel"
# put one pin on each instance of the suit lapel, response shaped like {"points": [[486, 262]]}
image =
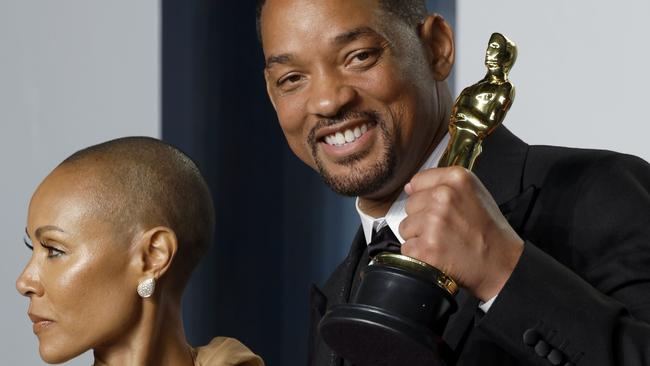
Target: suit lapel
{"points": [[335, 291], [517, 209], [501, 165], [337, 288]]}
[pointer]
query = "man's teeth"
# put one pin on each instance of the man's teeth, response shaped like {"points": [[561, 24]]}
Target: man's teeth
{"points": [[347, 136]]}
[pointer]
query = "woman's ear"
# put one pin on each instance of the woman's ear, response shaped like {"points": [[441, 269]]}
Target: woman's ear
{"points": [[437, 36], [159, 247]]}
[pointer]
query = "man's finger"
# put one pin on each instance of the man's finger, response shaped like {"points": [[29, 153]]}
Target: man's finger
{"points": [[451, 176], [407, 228], [442, 196]]}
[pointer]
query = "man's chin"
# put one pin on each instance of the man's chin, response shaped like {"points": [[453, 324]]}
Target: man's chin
{"points": [[344, 187], [358, 174], [357, 179]]}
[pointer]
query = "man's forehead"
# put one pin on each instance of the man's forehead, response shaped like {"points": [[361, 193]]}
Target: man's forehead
{"points": [[335, 40], [289, 26], [283, 19], [320, 6]]}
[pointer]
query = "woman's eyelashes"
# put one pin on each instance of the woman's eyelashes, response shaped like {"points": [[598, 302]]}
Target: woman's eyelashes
{"points": [[28, 243], [52, 252]]}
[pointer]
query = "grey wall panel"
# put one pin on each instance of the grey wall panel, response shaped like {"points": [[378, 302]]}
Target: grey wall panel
{"points": [[72, 73], [581, 74]]}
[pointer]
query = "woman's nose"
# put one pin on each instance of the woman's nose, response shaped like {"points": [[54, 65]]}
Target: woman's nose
{"points": [[28, 283]]}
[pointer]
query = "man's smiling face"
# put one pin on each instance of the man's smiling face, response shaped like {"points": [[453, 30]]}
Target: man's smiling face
{"points": [[353, 90]]}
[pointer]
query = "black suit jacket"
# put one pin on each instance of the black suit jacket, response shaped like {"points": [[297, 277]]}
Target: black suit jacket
{"points": [[580, 294]]}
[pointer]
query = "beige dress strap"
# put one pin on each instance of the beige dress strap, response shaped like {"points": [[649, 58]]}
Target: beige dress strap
{"points": [[224, 351]]}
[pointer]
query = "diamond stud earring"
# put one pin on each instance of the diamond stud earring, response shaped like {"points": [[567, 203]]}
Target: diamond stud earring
{"points": [[146, 287]]}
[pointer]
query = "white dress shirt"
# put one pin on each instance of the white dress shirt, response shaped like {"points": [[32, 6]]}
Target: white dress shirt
{"points": [[397, 211]]}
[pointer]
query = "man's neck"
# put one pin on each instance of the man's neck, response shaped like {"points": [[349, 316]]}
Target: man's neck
{"points": [[378, 207]]}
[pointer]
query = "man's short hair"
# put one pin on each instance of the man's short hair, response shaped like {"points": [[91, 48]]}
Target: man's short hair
{"points": [[142, 181], [411, 12]]}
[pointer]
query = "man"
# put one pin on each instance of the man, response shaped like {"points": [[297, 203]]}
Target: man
{"points": [[549, 244]]}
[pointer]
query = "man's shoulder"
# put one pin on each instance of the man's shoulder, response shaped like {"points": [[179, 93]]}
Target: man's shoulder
{"points": [[578, 155], [544, 162]]}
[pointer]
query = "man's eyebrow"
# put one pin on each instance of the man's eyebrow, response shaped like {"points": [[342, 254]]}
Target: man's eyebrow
{"points": [[278, 59], [354, 34], [39, 232], [340, 39]]}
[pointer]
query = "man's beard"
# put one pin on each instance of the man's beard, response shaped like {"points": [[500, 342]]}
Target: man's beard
{"points": [[360, 181]]}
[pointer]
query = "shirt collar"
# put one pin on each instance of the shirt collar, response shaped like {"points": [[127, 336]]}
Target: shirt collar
{"points": [[397, 211]]}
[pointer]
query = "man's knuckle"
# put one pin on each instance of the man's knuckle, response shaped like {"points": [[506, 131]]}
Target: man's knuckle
{"points": [[460, 176], [444, 195], [431, 217]]}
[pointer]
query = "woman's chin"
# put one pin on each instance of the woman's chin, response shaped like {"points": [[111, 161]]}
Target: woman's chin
{"points": [[55, 355]]}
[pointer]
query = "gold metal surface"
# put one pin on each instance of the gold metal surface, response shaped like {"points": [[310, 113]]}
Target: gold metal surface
{"points": [[413, 265], [480, 108], [477, 112]]}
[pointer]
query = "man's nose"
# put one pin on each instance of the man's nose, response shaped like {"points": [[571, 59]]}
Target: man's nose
{"points": [[330, 95], [28, 283]]}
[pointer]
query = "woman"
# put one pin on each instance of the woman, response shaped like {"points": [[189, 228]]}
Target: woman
{"points": [[116, 230]]}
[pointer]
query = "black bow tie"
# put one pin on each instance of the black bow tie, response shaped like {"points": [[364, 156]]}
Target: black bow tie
{"points": [[383, 241]]}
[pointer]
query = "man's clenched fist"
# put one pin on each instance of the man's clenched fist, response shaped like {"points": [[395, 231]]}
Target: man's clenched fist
{"points": [[454, 225]]}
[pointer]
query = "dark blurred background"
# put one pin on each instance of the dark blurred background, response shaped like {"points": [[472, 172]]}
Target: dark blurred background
{"points": [[279, 228]]}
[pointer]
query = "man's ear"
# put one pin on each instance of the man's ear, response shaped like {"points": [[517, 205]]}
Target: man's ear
{"points": [[158, 249], [438, 37]]}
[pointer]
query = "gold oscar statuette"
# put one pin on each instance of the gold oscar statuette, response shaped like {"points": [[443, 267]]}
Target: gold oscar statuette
{"points": [[480, 108]]}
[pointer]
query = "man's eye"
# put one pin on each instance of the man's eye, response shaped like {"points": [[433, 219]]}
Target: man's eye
{"points": [[364, 58], [289, 79], [290, 82]]}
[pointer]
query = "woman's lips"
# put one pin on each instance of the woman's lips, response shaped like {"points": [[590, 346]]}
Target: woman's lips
{"points": [[40, 323], [41, 326]]}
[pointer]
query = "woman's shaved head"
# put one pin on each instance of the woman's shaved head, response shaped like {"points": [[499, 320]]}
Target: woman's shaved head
{"points": [[107, 218], [141, 182]]}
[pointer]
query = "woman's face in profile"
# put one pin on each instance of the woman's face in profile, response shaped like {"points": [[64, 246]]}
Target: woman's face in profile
{"points": [[81, 278]]}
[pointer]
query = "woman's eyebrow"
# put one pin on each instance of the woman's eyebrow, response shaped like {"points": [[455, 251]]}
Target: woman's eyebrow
{"points": [[39, 231]]}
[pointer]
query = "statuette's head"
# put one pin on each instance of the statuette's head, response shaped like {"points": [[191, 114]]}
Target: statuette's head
{"points": [[501, 53]]}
